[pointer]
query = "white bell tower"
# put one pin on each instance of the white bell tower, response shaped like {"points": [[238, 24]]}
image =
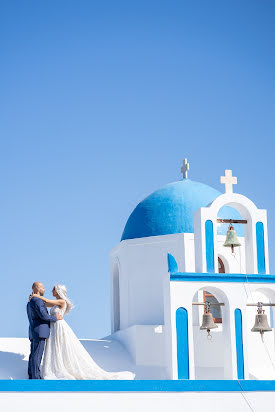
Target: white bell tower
{"points": [[171, 264]]}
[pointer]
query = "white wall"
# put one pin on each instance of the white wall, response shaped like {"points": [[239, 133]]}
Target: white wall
{"points": [[148, 298], [139, 401], [234, 295], [143, 265]]}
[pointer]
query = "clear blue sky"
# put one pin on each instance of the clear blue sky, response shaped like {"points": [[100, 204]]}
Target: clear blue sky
{"points": [[99, 103]]}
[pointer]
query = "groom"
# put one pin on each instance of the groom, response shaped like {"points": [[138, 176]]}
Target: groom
{"points": [[39, 329]]}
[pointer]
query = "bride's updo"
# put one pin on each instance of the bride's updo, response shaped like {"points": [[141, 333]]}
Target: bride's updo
{"points": [[61, 290]]}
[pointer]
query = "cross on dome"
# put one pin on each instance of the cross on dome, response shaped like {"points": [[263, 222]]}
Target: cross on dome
{"points": [[185, 168], [228, 180]]}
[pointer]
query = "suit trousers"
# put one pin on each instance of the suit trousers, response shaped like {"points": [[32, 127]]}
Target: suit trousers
{"points": [[37, 349]]}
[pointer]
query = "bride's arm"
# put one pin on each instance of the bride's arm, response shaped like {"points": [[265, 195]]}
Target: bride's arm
{"points": [[50, 302]]}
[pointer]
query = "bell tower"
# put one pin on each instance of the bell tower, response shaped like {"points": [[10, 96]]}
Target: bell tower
{"points": [[253, 254], [186, 282]]}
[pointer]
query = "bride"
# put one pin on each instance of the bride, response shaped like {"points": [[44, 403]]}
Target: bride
{"points": [[64, 356]]}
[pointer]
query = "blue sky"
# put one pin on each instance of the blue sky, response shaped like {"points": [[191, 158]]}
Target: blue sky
{"points": [[99, 104]]}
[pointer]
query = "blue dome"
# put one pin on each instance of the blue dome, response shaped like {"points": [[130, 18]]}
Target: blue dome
{"points": [[171, 210]]}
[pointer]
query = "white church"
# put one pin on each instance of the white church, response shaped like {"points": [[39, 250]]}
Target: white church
{"points": [[192, 311]]}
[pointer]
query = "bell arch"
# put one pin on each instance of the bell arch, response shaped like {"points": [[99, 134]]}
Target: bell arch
{"points": [[212, 359], [260, 349], [249, 212], [231, 260]]}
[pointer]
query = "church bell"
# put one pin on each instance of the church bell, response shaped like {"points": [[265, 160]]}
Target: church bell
{"points": [[261, 323], [208, 322], [231, 238]]}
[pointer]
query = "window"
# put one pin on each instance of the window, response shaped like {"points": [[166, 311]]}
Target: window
{"points": [[215, 310]]}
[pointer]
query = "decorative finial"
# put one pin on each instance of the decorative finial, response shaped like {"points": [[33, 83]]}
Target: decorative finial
{"points": [[185, 168], [228, 180]]}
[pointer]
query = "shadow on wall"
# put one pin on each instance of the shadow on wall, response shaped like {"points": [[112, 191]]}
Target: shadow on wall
{"points": [[13, 366]]}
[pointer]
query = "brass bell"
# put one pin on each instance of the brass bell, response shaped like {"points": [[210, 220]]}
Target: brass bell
{"points": [[208, 322], [261, 323], [231, 238], [207, 319]]}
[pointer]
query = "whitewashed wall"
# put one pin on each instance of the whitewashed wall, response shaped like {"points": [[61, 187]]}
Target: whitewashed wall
{"points": [[135, 402]]}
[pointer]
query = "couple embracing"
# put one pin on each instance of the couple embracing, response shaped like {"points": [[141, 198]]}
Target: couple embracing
{"points": [[51, 336]]}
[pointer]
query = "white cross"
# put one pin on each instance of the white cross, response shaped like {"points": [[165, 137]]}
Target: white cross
{"points": [[228, 180], [185, 168]]}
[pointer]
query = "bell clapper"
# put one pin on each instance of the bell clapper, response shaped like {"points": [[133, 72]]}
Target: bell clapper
{"points": [[208, 336]]}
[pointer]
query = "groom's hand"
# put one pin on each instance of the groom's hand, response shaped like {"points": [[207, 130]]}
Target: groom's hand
{"points": [[59, 316]]}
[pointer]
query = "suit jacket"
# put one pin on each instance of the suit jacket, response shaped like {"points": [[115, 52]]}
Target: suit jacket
{"points": [[39, 319]]}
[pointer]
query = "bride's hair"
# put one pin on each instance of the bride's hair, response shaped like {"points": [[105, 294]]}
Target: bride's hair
{"points": [[61, 290]]}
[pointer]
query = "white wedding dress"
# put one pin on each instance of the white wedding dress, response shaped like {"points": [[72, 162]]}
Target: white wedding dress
{"points": [[66, 358]]}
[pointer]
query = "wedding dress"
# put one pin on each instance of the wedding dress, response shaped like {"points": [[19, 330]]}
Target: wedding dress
{"points": [[66, 358]]}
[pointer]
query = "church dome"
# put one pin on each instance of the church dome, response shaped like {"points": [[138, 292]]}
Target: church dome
{"points": [[171, 210]]}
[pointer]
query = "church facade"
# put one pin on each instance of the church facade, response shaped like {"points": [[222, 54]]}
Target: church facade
{"points": [[172, 262]]}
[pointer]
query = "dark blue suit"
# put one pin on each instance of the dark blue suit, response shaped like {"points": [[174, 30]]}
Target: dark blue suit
{"points": [[39, 331]]}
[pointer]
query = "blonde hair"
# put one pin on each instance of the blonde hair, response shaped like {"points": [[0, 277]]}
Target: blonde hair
{"points": [[61, 290]]}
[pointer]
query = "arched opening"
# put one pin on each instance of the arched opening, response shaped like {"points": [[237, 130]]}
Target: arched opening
{"points": [[221, 265], [246, 209], [116, 298], [229, 262], [212, 358], [260, 351]]}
